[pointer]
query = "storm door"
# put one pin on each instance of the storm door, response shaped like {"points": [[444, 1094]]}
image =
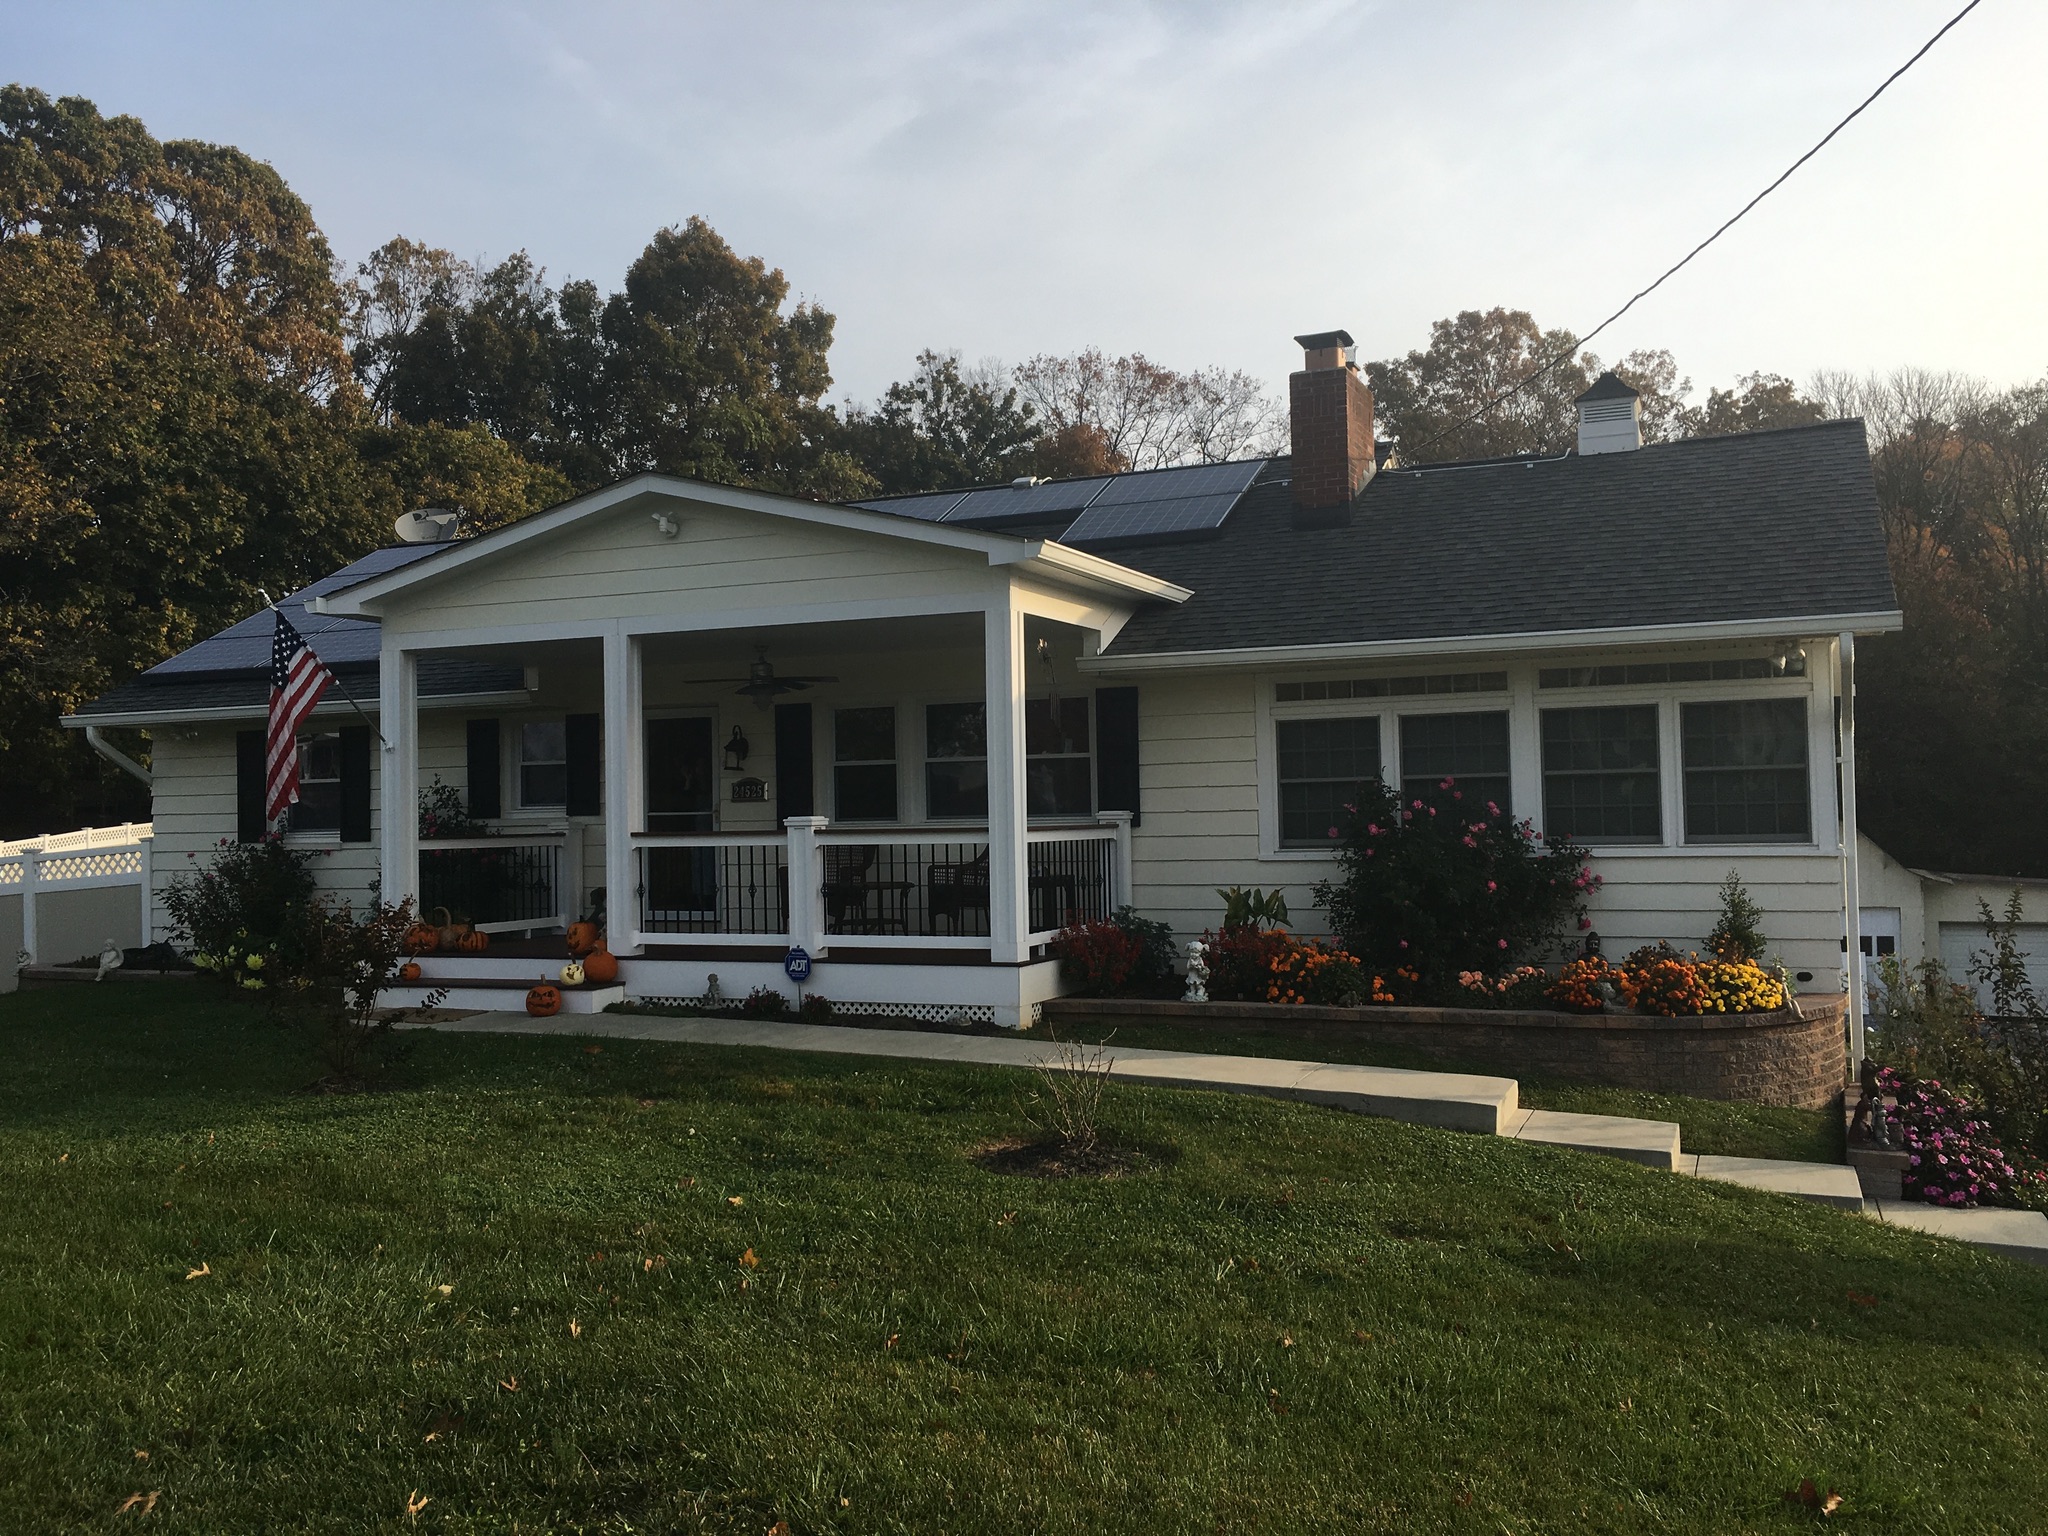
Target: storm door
{"points": [[682, 797]]}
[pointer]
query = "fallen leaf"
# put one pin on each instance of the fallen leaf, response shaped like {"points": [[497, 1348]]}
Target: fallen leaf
{"points": [[593, 1050], [1464, 1499], [646, 1103], [142, 1455], [1273, 1400], [749, 1260], [200, 1273], [734, 1200], [167, 1205], [1287, 1341], [209, 1138], [597, 1258], [1007, 1219], [510, 1383], [575, 1329], [1975, 1410], [657, 1262], [65, 1158], [414, 1503], [445, 1290], [1862, 1298], [890, 1342], [432, 1436], [686, 1183], [1810, 1497], [146, 1501], [1361, 1335], [779, 1528]]}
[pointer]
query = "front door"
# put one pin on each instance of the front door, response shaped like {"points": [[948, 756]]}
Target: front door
{"points": [[682, 796]]}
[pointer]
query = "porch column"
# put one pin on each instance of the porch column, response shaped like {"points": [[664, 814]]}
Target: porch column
{"points": [[1009, 891], [1852, 894], [625, 791], [398, 718]]}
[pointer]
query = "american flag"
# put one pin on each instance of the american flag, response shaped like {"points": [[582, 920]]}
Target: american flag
{"points": [[297, 679]]}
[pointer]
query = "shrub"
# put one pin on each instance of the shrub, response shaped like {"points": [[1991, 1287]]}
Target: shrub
{"points": [[764, 1003], [442, 813], [1254, 908], [1156, 950], [1097, 959], [1953, 1157], [1667, 987], [815, 1009], [242, 914], [1738, 935], [334, 995], [1929, 1029], [1434, 886], [1254, 965], [1584, 985]]}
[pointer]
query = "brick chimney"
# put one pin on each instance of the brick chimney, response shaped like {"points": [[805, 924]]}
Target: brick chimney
{"points": [[1330, 421]]}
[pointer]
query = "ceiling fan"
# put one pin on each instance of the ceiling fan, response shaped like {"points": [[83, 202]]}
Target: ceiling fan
{"points": [[763, 686]]}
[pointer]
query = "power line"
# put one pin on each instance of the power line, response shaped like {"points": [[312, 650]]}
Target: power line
{"points": [[1783, 177]]}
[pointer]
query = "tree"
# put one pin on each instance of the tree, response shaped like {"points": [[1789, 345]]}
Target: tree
{"points": [[941, 428], [1445, 402], [1759, 402], [1146, 416], [179, 426]]}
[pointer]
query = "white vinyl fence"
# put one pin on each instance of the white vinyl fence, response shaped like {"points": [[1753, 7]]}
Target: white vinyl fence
{"points": [[65, 894]]}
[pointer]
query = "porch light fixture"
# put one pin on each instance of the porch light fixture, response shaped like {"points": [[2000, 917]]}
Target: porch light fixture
{"points": [[736, 749]]}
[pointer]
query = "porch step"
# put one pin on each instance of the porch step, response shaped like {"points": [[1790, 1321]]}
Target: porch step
{"points": [[492, 966], [1653, 1143], [1824, 1183], [2019, 1235], [495, 993]]}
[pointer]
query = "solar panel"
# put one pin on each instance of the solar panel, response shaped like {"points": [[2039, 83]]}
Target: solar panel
{"points": [[929, 506], [245, 646], [1162, 502], [1028, 501]]}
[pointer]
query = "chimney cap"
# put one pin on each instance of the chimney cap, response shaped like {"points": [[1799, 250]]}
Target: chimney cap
{"points": [[1610, 386], [1318, 341]]}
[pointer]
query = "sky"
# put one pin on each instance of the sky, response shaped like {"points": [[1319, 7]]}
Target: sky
{"points": [[1198, 181]]}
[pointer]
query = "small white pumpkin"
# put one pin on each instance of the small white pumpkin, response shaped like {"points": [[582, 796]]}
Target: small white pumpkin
{"points": [[572, 974]]}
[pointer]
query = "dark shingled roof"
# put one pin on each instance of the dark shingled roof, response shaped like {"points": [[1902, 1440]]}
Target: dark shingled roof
{"points": [[440, 677], [1610, 386], [1764, 525]]}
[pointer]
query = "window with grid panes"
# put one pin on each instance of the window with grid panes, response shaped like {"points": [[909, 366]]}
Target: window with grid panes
{"points": [[1745, 772], [1470, 748], [1600, 777], [1321, 764], [864, 764]]}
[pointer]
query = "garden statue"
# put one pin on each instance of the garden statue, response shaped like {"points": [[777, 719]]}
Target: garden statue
{"points": [[110, 960], [1198, 974], [713, 998], [1869, 1116]]}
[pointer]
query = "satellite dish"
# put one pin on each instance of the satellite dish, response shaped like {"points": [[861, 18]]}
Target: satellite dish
{"points": [[429, 525]]}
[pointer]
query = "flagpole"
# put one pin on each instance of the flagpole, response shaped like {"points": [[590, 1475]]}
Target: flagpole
{"points": [[334, 680]]}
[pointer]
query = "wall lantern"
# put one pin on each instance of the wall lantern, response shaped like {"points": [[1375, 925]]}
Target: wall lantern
{"points": [[736, 749]]}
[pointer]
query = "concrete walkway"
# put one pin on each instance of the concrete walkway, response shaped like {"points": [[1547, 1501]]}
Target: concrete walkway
{"points": [[1454, 1101]]}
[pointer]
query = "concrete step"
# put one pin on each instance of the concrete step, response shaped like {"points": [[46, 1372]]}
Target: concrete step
{"points": [[1653, 1143], [2016, 1234], [1825, 1183], [500, 994]]}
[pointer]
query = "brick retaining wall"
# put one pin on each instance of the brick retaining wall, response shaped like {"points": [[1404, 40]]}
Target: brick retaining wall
{"points": [[1799, 1056]]}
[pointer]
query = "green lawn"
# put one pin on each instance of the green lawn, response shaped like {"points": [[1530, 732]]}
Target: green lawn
{"points": [[1705, 1125], [515, 1285]]}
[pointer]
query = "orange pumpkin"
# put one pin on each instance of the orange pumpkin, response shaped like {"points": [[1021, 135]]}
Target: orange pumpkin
{"points": [[410, 971], [422, 939], [544, 999], [583, 938], [474, 942], [601, 966]]}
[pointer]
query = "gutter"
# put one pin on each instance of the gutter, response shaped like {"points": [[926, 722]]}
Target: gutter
{"points": [[149, 717], [116, 756], [1526, 640]]}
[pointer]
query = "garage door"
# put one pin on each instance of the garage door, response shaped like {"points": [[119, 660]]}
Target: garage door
{"points": [[1959, 940]]}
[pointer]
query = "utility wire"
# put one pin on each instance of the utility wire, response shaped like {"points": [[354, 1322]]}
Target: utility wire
{"points": [[1784, 176]]}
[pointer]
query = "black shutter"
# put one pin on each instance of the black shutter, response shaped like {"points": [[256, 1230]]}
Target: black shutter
{"points": [[793, 795], [1116, 750], [250, 822], [355, 783], [484, 801], [586, 765]]}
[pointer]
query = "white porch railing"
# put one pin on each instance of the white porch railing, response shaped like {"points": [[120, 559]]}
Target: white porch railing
{"points": [[90, 858], [867, 888], [508, 884]]}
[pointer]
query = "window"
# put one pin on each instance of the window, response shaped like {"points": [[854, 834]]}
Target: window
{"points": [[864, 764], [1059, 777], [544, 764], [319, 804], [955, 761], [1745, 772], [1322, 763], [1473, 749], [1382, 687], [1672, 672], [1600, 780]]}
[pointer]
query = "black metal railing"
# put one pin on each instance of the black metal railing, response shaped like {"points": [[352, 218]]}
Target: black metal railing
{"points": [[516, 883], [912, 889], [715, 888], [1072, 880]]}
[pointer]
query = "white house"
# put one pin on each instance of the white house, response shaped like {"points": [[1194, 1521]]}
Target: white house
{"points": [[916, 734]]}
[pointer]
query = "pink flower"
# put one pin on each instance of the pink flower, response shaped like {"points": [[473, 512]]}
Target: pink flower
{"points": [[1503, 943], [1491, 886], [1492, 809], [1404, 943], [1585, 922], [1333, 831]]}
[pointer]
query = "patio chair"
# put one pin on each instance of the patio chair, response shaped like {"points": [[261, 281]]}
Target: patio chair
{"points": [[954, 889]]}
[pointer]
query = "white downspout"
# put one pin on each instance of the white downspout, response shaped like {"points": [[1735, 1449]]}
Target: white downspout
{"points": [[117, 757], [1852, 893]]}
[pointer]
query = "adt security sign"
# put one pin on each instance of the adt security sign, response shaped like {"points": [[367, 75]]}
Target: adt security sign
{"points": [[796, 965]]}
